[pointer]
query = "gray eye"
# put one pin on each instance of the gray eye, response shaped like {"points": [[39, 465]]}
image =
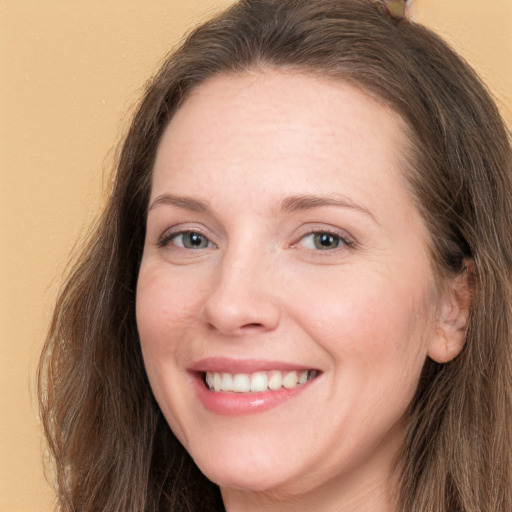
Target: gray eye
{"points": [[191, 240], [325, 241], [321, 241]]}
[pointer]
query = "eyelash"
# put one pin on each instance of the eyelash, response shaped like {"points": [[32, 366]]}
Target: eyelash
{"points": [[343, 242], [168, 237]]}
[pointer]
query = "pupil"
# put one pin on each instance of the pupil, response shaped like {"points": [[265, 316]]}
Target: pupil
{"points": [[195, 239], [326, 241]]}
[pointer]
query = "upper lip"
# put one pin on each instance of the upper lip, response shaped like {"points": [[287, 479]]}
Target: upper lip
{"points": [[230, 365]]}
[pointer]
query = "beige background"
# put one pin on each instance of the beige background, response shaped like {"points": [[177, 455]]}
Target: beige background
{"points": [[70, 73]]}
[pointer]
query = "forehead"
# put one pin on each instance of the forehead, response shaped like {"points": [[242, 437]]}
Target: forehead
{"points": [[289, 100], [269, 127]]}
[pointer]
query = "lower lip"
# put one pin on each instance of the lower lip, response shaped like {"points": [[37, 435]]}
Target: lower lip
{"points": [[233, 404]]}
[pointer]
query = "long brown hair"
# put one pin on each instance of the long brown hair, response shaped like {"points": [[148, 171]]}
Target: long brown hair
{"points": [[111, 446]]}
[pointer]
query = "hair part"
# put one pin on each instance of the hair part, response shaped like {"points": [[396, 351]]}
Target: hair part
{"points": [[111, 446]]}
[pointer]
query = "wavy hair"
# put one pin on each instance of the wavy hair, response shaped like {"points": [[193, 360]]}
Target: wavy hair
{"points": [[111, 447]]}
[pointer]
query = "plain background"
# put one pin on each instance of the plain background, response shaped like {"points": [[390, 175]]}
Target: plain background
{"points": [[70, 74]]}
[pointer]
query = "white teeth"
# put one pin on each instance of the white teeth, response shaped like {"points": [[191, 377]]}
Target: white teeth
{"points": [[227, 382], [257, 382], [217, 381], [209, 379], [275, 380], [290, 380], [241, 383]]}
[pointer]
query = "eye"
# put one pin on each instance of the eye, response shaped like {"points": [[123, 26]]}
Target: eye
{"points": [[322, 241], [186, 240]]}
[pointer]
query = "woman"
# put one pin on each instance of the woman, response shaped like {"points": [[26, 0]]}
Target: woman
{"points": [[304, 270]]}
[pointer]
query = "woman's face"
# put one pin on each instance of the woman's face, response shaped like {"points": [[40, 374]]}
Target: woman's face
{"points": [[283, 252]]}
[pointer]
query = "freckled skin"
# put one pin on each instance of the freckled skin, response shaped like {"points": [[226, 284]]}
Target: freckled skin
{"points": [[363, 313]]}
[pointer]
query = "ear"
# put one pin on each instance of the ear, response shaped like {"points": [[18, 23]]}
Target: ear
{"points": [[453, 315]]}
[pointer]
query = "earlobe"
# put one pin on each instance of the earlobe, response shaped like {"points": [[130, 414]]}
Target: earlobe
{"points": [[453, 316]]}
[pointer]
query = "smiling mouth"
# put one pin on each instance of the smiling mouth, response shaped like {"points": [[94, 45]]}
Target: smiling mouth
{"points": [[257, 382]]}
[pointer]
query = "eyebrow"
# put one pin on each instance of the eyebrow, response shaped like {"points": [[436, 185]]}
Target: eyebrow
{"points": [[289, 204], [306, 202], [180, 202]]}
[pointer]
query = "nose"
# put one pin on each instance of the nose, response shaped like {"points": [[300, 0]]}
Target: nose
{"points": [[243, 297]]}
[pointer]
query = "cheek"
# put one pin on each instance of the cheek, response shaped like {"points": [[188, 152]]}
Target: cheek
{"points": [[164, 309], [163, 316], [381, 324], [162, 322]]}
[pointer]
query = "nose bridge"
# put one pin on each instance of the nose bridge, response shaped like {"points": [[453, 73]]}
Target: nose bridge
{"points": [[243, 297]]}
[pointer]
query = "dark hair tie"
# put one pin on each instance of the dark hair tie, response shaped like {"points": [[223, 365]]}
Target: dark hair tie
{"points": [[396, 8]]}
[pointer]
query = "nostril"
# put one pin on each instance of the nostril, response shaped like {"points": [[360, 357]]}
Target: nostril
{"points": [[244, 327], [232, 312]]}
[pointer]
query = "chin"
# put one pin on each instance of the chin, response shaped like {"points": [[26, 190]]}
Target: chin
{"points": [[245, 469]]}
